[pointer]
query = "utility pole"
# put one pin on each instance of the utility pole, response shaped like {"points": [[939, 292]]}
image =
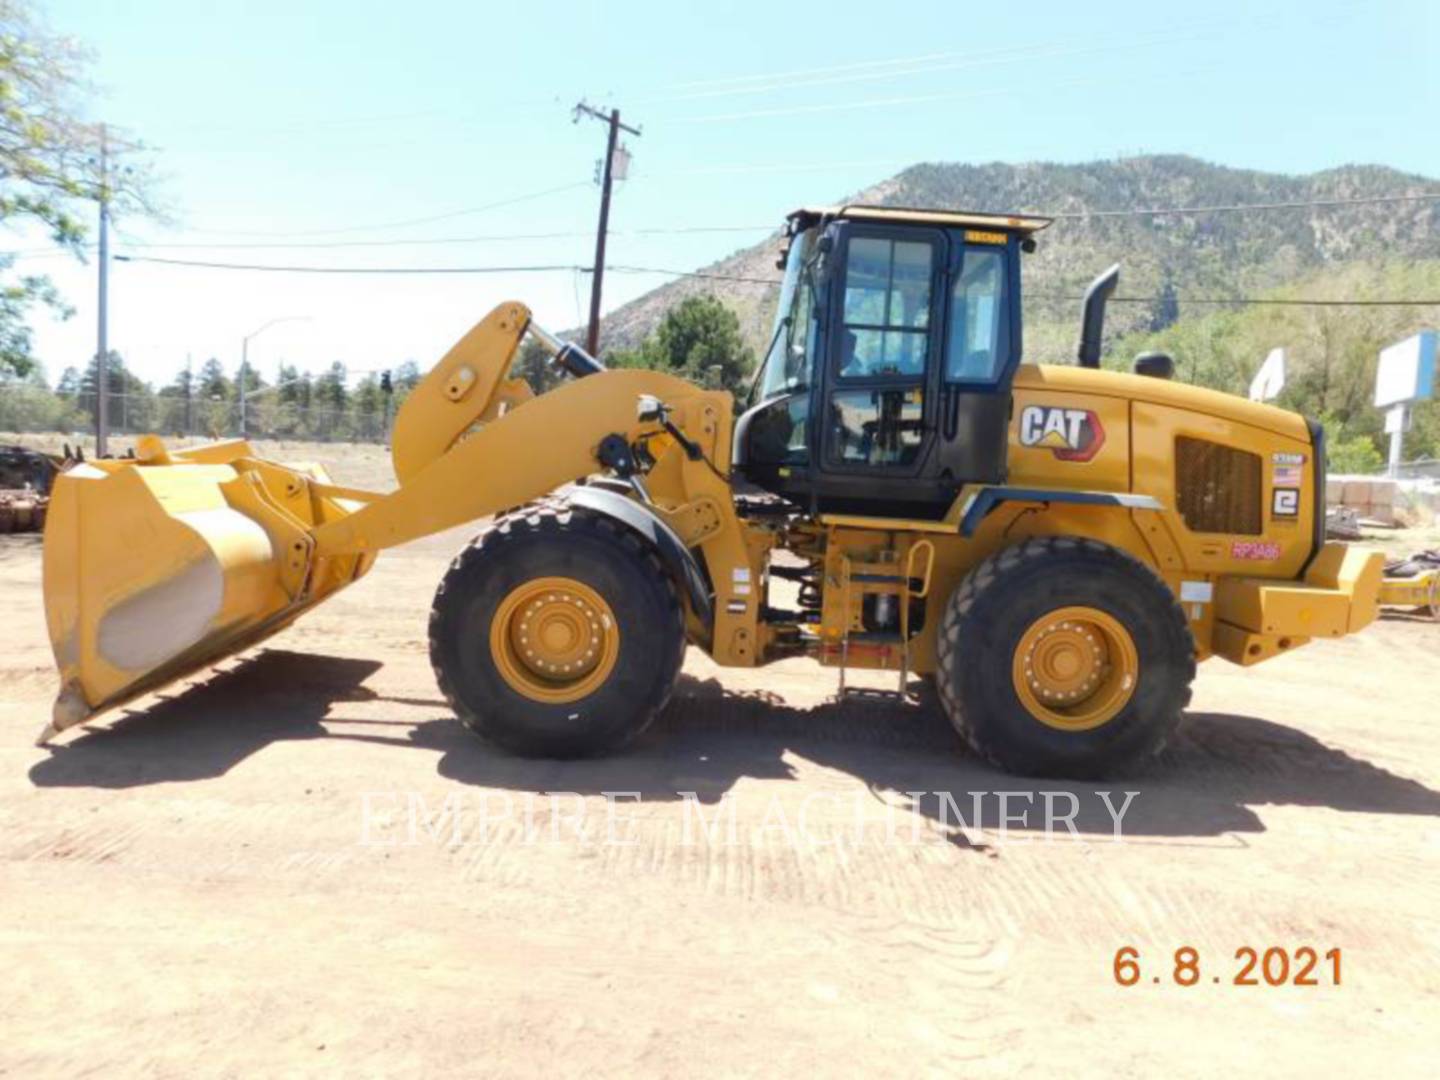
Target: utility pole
{"points": [[102, 362], [244, 368], [387, 388], [612, 119], [104, 195], [245, 358]]}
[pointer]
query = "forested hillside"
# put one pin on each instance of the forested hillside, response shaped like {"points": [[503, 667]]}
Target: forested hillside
{"points": [[1368, 250], [1210, 255]]}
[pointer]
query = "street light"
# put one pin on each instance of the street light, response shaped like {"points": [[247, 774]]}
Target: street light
{"points": [[245, 357]]}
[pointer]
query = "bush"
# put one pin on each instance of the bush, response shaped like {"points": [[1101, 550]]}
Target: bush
{"points": [[27, 407], [1356, 454]]}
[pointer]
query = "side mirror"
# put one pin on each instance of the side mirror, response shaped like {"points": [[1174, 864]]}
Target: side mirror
{"points": [[649, 409]]}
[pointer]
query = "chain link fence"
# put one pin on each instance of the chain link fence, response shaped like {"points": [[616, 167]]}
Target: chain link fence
{"points": [[26, 409]]}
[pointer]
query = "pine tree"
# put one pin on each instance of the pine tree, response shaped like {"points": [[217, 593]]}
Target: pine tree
{"points": [[699, 339], [1165, 311], [177, 404], [214, 386], [69, 384], [533, 364], [368, 405], [330, 402]]}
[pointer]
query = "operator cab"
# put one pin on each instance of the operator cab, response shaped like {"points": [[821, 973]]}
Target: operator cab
{"points": [[886, 386]]}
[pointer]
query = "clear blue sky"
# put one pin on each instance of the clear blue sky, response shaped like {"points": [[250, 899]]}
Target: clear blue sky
{"points": [[323, 117]]}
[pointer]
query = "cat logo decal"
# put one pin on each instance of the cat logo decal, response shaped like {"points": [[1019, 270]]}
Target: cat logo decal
{"points": [[1071, 434]]}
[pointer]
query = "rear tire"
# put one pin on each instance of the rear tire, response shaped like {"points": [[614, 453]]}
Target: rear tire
{"points": [[1064, 657], [592, 599]]}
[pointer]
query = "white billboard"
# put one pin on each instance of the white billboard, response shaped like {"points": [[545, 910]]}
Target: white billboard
{"points": [[1406, 371], [1270, 379]]}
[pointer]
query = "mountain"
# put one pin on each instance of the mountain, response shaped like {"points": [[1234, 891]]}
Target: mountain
{"points": [[1209, 255]]}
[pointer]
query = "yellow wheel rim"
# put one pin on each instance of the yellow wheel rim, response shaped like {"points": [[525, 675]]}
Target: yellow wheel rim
{"points": [[554, 639], [1075, 668]]}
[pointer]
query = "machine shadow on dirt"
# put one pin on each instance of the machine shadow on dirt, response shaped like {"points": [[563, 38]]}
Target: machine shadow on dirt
{"points": [[709, 739]]}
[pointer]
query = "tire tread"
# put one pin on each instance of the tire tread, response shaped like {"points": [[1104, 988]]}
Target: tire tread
{"points": [[991, 573], [552, 517]]}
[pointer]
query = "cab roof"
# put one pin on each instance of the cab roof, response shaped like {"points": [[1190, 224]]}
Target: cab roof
{"points": [[909, 215]]}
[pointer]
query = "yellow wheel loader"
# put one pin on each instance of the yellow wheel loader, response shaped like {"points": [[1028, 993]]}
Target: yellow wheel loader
{"points": [[1056, 546]]}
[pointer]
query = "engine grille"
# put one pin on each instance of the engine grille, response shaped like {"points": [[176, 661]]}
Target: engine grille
{"points": [[1218, 488]]}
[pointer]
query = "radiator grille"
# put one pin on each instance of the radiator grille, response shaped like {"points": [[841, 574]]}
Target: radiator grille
{"points": [[1218, 488]]}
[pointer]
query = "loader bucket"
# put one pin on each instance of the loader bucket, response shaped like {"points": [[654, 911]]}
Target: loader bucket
{"points": [[157, 566]]}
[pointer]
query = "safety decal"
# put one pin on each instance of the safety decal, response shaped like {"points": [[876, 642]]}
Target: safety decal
{"points": [[1071, 434], [1286, 503]]}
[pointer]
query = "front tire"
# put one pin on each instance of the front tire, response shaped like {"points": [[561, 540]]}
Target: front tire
{"points": [[1064, 657], [557, 633]]}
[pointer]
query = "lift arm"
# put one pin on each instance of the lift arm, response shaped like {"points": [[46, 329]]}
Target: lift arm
{"points": [[159, 565], [528, 451]]}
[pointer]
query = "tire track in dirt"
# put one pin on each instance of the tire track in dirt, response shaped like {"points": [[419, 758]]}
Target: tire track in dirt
{"points": [[949, 987], [1029, 891]]}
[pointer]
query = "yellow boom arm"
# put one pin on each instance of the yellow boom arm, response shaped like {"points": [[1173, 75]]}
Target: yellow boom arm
{"points": [[160, 565]]}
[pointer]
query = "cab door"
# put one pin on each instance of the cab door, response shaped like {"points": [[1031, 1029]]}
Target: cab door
{"points": [[977, 369], [878, 415]]}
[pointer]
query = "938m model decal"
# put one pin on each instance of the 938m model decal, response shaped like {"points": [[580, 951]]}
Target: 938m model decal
{"points": [[1071, 434]]}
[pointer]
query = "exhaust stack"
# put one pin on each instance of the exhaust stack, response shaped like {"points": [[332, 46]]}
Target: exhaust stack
{"points": [[1092, 317]]}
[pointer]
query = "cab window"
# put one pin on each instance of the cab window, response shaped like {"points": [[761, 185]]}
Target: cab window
{"points": [[979, 330], [787, 368], [887, 308]]}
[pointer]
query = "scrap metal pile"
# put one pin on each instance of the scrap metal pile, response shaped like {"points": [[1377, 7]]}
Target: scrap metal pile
{"points": [[25, 479], [1414, 583]]}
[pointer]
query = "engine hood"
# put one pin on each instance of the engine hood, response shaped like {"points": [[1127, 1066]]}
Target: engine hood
{"points": [[1177, 395]]}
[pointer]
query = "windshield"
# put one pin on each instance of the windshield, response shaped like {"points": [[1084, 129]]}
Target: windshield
{"points": [[787, 367]]}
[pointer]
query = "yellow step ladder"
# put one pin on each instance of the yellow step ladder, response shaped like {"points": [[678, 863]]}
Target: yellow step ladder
{"points": [[879, 578]]}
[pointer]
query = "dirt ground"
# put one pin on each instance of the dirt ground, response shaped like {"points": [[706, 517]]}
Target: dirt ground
{"points": [[303, 863]]}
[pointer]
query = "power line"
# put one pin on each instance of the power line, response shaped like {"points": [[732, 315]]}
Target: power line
{"points": [[708, 275], [1246, 300], [1077, 215], [931, 63], [895, 71], [412, 221], [925, 65], [313, 245], [433, 241], [206, 264], [805, 73], [885, 102], [1299, 204], [1254, 302], [740, 278], [905, 61]]}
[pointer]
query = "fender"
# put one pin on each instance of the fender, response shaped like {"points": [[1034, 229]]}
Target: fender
{"points": [[985, 499], [678, 559]]}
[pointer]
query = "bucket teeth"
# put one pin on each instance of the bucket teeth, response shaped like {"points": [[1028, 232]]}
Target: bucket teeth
{"points": [[70, 709]]}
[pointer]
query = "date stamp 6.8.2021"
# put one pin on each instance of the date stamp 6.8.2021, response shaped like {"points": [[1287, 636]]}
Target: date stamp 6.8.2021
{"points": [[1250, 966]]}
